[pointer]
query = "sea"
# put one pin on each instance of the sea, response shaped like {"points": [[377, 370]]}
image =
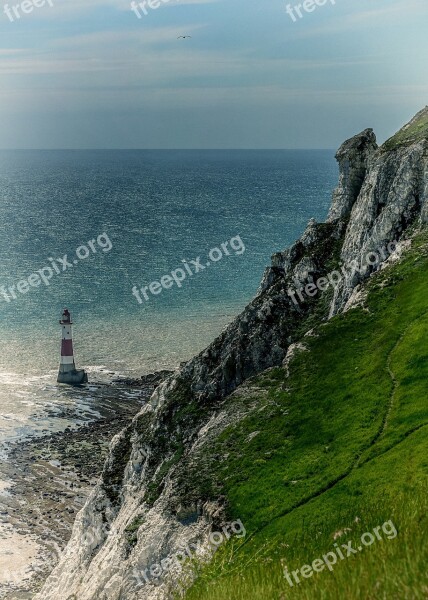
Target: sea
{"points": [[83, 229]]}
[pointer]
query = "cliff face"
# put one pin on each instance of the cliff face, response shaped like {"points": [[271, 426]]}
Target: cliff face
{"points": [[147, 504], [393, 194], [354, 159]]}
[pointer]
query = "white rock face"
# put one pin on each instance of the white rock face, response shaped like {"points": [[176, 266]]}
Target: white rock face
{"points": [[392, 197], [354, 158], [99, 564]]}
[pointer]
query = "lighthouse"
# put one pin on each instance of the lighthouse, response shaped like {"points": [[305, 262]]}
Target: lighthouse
{"points": [[67, 369]]}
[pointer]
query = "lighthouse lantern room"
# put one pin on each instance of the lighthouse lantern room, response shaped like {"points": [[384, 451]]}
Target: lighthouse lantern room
{"points": [[67, 368]]}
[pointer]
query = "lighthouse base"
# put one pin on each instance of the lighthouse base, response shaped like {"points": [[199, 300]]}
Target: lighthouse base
{"points": [[74, 377]]}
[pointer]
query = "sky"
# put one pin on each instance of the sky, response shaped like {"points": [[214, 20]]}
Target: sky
{"points": [[92, 74]]}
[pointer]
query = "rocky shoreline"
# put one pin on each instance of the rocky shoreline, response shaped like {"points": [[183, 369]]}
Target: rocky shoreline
{"points": [[51, 477]]}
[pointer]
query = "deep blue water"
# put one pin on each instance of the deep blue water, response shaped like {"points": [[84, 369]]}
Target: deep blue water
{"points": [[157, 208]]}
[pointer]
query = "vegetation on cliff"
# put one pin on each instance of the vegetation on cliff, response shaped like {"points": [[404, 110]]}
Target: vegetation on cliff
{"points": [[414, 131], [331, 451]]}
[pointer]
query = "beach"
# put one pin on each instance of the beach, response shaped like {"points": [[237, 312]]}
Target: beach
{"points": [[45, 481]]}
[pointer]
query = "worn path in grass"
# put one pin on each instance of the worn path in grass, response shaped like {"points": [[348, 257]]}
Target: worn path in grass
{"points": [[343, 436]]}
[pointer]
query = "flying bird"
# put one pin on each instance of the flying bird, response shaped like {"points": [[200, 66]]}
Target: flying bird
{"points": [[183, 37]]}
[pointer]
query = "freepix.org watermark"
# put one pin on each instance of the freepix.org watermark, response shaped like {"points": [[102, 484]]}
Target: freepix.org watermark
{"points": [[136, 7], [25, 7], [188, 269], [215, 539], [333, 279], [308, 6], [340, 553], [55, 267]]}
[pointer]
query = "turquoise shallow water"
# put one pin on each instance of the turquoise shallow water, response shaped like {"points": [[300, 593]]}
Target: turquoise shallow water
{"points": [[156, 208]]}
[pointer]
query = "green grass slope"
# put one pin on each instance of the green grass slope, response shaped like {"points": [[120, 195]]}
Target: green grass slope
{"points": [[329, 453], [416, 130]]}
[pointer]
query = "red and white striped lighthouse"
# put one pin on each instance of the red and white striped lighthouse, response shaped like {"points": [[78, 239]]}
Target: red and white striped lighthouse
{"points": [[67, 368]]}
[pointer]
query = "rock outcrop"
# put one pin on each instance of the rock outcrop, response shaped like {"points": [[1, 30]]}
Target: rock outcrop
{"points": [[394, 194], [145, 507], [354, 159]]}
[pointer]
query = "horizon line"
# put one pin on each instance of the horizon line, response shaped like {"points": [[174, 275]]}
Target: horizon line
{"points": [[163, 149]]}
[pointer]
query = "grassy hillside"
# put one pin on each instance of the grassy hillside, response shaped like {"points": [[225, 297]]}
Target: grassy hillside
{"points": [[414, 131], [329, 453]]}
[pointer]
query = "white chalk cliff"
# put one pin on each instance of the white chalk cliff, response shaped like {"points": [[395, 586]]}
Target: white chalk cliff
{"points": [[151, 500]]}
